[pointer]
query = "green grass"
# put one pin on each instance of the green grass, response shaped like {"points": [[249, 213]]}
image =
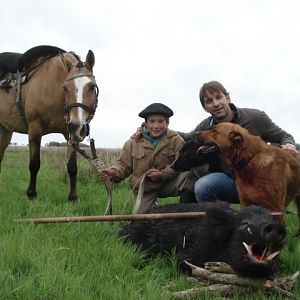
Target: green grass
{"points": [[84, 260]]}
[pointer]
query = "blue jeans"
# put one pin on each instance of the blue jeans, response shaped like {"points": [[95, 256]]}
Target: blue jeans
{"points": [[216, 186]]}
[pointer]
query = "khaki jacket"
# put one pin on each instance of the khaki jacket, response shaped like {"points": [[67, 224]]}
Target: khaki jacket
{"points": [[139, 155]]}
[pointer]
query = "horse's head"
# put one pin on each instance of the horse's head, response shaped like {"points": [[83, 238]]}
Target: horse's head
{"points": [[81, 93]]}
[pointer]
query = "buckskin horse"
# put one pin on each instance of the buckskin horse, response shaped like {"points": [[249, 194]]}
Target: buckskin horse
{"points": [[46, 90]]}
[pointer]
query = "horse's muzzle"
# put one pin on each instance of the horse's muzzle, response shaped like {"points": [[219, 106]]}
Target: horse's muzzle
{"points": [[78, 131]]}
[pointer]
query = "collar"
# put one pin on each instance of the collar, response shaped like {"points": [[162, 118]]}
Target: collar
{"points": [[240, 163]]}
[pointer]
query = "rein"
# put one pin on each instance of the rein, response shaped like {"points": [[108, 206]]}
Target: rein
{"points": [[28, 74], [140, 194], [139, 197], [97, 163]]}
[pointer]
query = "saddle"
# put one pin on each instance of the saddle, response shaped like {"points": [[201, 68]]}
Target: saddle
{"points": [[8, 62], [12, 62], [16, 68], [29, 58]]}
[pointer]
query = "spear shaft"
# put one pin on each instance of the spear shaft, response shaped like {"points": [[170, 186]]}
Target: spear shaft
{"points": [[134, 217]]}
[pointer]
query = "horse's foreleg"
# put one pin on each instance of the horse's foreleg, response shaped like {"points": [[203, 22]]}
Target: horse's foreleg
{"points": [[34, 162], [297, 201], [72, 171], [5, 138]]}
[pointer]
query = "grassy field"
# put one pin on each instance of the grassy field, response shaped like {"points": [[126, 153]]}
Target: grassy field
{"points": [[85, 260]]}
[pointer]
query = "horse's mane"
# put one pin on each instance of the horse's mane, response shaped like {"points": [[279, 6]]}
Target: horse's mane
{"points": [[75, 55], [79, 64]]}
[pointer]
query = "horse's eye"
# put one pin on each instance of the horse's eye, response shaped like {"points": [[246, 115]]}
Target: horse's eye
{"points": [[92, 87], [65, 89]]}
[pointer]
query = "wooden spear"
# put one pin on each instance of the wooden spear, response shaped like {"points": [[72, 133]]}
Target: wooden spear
{"points": [[134, 217]]}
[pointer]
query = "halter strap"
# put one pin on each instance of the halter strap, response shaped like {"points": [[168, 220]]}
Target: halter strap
{"points": [[80, 75], [91, 110]]}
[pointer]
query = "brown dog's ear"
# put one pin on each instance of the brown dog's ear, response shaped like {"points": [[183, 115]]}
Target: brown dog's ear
{"points": [[236, 137]]}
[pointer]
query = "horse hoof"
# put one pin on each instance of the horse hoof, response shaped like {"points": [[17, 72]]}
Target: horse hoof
{"points": [[31, 195], [73, 198]]}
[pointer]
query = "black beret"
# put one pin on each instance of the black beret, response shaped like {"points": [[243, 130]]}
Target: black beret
{"points": [[156, 108]]}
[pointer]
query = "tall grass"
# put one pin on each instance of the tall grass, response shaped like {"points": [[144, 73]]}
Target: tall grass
{"points": [[84, 260]]}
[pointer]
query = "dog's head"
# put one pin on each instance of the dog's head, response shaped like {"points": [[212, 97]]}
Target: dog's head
{"points": [[224, 136], [189, 157]]}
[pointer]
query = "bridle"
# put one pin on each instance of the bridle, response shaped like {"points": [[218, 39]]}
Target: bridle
{"points": [[90, 110]]}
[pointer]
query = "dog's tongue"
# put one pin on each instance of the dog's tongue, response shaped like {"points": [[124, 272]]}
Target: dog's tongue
{"points": [[207, 148]]}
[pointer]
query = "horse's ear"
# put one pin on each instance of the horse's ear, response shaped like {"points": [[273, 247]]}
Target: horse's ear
{"points": [[90, 60]]}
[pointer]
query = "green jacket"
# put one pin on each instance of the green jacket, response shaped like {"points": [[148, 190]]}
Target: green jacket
{"points": [[138, 156]]}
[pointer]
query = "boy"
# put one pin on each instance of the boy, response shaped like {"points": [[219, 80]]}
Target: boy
{"points": [[149, 153]]}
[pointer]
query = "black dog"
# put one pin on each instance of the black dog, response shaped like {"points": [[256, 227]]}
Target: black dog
{"points": [[189, 157], [247, 240]]}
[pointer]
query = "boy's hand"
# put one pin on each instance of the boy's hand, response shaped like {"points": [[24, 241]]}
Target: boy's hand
{"points": [[154, 174], [105, 174]]}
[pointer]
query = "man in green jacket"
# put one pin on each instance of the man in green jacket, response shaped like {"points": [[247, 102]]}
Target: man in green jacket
{"points": [[147, 156], [219, 184]]}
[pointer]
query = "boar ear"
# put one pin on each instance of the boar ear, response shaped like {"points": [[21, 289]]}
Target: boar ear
{"points": [[220, 216], [221, 223]]}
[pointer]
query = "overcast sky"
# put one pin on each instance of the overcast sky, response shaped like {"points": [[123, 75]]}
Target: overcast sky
{"points": [[163, 51]]}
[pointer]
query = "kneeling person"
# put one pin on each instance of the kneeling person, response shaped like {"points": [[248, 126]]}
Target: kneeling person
{"points": [[150, 152]]}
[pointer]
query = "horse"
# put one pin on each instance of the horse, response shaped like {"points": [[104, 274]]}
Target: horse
{"points": [[47, 90]]}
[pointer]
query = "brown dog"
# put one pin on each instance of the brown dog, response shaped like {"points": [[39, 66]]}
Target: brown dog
{"points": [[265, 175]]}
